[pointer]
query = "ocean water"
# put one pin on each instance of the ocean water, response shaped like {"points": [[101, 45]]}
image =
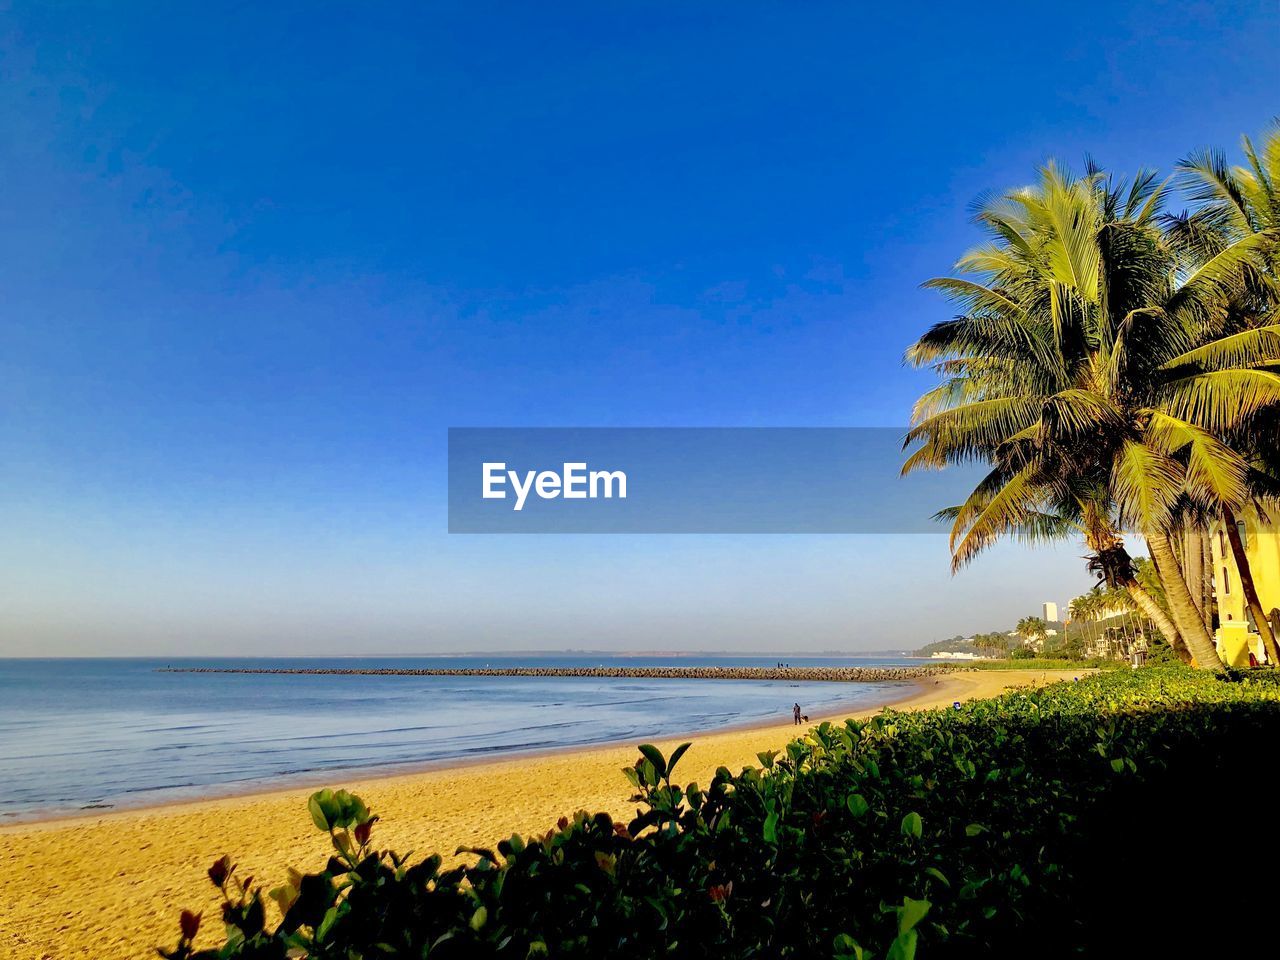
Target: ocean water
{"points": [[90, 734]]}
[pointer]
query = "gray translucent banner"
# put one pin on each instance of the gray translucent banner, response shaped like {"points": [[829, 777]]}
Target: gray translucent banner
{"points": [[692, 480]]}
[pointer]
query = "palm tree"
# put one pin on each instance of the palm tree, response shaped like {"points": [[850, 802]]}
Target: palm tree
{"points": [[1235, 203], [1031, 629], [1092, 374], [1145, 571], [1082, 609], [1122, 604], [1104, 605], [1196, 564], [992, 642]]}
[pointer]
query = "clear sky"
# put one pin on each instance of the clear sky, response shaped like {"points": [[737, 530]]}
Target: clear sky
{"points": [[255, 259]]}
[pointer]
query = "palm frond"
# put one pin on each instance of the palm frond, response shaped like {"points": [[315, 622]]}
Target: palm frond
{"points": [[987, 516], [988, 335], [1071, 250], [1208, 182], [1146, 485], [1220, 400], [1248, 348], [1076, 413], [974, 430], [1224, 275], [1145, 197], [975, 297], [1215, 474]]}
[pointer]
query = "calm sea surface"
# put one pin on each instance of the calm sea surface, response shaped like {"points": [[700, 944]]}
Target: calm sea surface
{"points": [[92, 734]]}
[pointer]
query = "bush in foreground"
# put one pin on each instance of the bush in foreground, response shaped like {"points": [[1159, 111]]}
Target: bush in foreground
{"points": [[1020, 823]]}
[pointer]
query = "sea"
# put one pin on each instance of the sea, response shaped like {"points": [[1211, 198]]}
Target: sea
{"points": [[85, 735]]}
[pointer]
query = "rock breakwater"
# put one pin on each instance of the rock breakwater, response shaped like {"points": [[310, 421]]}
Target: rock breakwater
{"points": [[826, 674]]}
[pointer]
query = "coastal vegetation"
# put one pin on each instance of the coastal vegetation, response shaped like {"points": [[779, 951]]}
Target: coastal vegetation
{"points": [[999, 826], [1117, 368], [1032, 629], [1109, 624], [995, 643], [1104, 626]]}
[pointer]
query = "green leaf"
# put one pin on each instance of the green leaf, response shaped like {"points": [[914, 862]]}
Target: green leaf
{"points": [[973, 829], [903, 947], [847, 948], [330, 918], [676, 754], [857, 804], [648, 772], [1117, 765], [912, 825], [322, 808], [771, 828], [911, 913], [654, 756]]}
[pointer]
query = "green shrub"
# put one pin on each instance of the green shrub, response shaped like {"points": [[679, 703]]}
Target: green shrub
{"points": [[965, 832]]}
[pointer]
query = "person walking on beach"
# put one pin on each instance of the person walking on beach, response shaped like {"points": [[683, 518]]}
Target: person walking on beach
{"points": [[795, 713]]}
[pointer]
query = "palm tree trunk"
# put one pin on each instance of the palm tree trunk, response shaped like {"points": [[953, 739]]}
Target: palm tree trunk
{"points": [[1250, 589], [1193, 566], [1179, 645], [1208, 601], [1155, 613], [1183, 609]]}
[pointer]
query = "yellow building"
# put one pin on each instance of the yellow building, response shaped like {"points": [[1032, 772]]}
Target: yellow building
{"points": [[1235, 635]]}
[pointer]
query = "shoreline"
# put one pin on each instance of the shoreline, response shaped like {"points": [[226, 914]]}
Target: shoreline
{"points": [[112, 883], [315, 779]]}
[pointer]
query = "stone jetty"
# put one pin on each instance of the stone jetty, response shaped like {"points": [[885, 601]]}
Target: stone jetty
{"points": [[828, 674]]}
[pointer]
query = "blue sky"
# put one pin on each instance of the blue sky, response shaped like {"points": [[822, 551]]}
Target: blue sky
{"points": [[256, 259]]}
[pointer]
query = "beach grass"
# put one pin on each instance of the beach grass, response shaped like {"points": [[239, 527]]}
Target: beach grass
{"points": [[1046, 663]]}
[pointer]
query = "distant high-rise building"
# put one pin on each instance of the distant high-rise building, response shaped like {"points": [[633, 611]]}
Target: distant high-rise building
{"points": [[1050, 614]]}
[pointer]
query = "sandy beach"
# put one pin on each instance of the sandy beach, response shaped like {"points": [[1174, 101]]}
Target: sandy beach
{"points": [[112, 885]]}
